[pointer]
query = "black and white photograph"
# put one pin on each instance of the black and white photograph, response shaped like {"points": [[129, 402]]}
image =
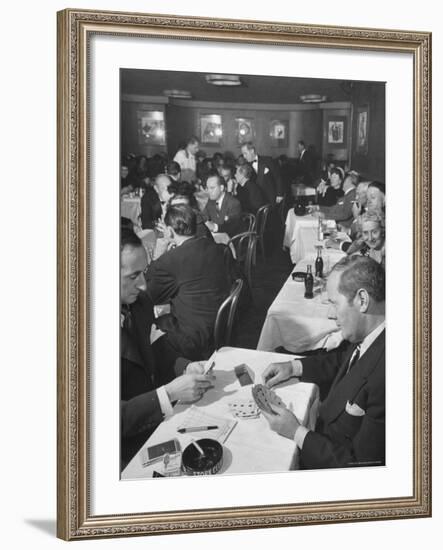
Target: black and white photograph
{"points": [[252, 274]]}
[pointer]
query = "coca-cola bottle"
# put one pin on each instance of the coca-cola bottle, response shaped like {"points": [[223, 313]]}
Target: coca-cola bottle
{"points": [[309, 283], [319, 230], [319, 264]]}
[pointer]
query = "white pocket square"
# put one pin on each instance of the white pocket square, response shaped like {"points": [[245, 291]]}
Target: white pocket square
{"points": [[266, 170], [354, 410]]}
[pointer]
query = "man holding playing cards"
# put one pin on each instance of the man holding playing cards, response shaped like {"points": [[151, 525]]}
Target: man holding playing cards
{"points": [[350, 429]]}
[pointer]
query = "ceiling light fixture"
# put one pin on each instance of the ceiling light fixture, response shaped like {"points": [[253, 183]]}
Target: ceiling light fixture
{"points": [[223, 79], [313, 98], [180, 94]]}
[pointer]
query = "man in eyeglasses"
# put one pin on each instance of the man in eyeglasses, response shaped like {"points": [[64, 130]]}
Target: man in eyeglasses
{"points": [[147, 389]]}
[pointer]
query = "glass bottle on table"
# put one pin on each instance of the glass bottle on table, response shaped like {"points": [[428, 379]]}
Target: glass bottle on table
{"points": [[309, 283], [319, 230], [319, 264]]}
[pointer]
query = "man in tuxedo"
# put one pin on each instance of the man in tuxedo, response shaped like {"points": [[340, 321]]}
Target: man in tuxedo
{"points": [[194, 279], [248, 192], [155, 200], [222, 211], [267, 175], [147, 388], [306, 164], [350, 429]]}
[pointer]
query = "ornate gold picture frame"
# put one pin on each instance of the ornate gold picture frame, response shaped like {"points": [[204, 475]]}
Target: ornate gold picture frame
{"points": [[76, 516]]}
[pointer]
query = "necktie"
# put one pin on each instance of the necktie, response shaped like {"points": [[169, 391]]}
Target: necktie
{"points": [[354, 358], [255, 165]]}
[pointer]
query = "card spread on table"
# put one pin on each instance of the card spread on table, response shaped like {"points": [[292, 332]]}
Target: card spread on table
{"points": [[244, 408], [265, 398], [195, 418]]}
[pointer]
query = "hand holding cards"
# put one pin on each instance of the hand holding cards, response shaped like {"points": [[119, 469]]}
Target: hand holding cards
{"points": [[266, 398]]}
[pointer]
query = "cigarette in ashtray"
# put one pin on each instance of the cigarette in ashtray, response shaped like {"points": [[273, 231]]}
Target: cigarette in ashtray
{"points": [[197, 446]]}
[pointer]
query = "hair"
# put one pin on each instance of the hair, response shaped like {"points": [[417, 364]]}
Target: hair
{"points": [[339, 172], [359, 272], [192, 140], [246, 170], [182, 219], [249, 146], [301, 142], [173, 168], [376, 217], [186, 189], [355, 177], [378, 185], [127, 236]]}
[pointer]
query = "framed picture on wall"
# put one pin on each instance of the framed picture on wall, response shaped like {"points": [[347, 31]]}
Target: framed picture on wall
{"points": [[337, 131], [151, 127], [97, 497], [211, 129], [245, 130], [362, 129], [278, 133]]}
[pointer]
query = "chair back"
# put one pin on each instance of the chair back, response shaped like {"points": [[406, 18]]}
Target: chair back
{"points": [[226, 316], [245, 245], [248, 220], [260, 226]]}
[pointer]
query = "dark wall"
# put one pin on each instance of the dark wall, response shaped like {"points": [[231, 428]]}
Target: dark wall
{"points": [[371, 163], [184, 121]]}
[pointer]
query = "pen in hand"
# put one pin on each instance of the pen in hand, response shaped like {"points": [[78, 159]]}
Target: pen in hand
{"points": [[197, 429]]}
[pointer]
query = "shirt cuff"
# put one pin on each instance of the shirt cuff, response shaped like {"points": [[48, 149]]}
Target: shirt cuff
{"points": [[297, 368], [165, 404], [300, 433], [215, 228]]}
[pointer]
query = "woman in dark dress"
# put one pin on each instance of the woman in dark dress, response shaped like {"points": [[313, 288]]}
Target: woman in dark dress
{"points": [[329, 193]]}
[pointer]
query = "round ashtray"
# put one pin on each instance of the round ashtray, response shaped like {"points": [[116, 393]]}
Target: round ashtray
{"points": [[196, 464]]}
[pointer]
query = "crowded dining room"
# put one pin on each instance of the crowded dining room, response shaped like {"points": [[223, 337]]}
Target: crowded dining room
{"points": [[252, 273]]}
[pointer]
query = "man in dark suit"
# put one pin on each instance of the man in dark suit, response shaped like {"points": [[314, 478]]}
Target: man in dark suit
{"points": [[350, 429], [222, 211], [155, 199], [194, 279], [248, 192], [306, 164], [267, 174], [342, 211], [147, 388]]}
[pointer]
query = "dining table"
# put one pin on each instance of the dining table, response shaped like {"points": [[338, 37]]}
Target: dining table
{"points": [[249, 444], [301, 234], [300, 324]]}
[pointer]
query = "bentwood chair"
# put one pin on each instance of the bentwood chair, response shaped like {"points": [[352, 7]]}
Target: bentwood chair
{"points": [[260, 225], [248, 220], [245, 245], [226, 315]]}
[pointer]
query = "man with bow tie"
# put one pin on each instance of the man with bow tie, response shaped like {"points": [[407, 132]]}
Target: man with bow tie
{"points": [[147, 388], [350, 429], [267, 175]]}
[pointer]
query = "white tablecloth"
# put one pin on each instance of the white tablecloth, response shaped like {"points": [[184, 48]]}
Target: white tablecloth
{"points": [[252, 446], [131, 208], [299, 324], [301, 234]]}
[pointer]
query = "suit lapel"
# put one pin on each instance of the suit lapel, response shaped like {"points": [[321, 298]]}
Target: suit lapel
{"points": [[347, 386]]}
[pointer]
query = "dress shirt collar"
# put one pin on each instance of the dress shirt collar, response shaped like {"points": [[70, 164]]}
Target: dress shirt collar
{"points": [[220, 201], [371, 337], [349, 190]]}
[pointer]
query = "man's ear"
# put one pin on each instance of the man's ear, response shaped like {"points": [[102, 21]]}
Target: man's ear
{"points": [[362, 300]]}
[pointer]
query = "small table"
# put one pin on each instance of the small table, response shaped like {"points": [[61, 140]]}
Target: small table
{"points": [[251, 446], [299, 324]]}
